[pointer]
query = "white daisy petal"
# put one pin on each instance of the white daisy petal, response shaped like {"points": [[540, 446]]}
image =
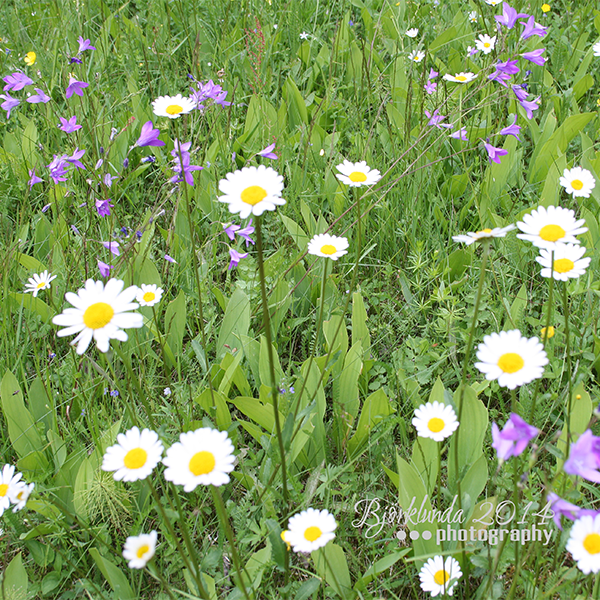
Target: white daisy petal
{"points": [[545, 227], [39, 282], [578, 182], [471, 237], [568, 261], [460, 77], [149, 295], [328, 246]]}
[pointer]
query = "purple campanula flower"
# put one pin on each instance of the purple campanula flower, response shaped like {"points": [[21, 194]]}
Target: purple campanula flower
{"points": [[500, 77], [246, 232], [108, 179], [435, 119], [9, 103], [84, 44], [530, 106], [34, 178], [58, 168], [513, 129], [564, 508], [125, 163], [69, 125], [494, 154], [509, 67], [16, 81], [535, 56], [520, 92], [74, 158], [41, 96], [104, 268], [235, 258], [170, 259], [46, 207], [461, 134], [432, 74], [181, 163], [149, 136], [113, 247], [75, 87], [208, 91], [430, 87], [99, 164], [75, 60], [509, 16], [532, 28], [148, 159], [513, 438], [103, 207], [584, 457], [230, 230], [268, 152]]}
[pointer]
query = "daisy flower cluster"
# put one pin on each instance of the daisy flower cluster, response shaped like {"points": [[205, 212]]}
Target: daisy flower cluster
{"points": [[13, 491]]}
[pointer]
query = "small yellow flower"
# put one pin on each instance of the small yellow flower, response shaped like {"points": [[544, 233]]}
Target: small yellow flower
{"points": [[284, 536], [30, 58], [550, 332], [545, 8]]}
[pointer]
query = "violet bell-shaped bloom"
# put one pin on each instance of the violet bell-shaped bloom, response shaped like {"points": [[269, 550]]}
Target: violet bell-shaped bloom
{"points": [[33, 178], [69, 125], [532, 28], [268, 152], [500, 77], [208, 91], [535, 56], [513, 129], [584, 457], [520, 92], [230, 229], [113, 247], [432, 74], [41, 96], [58, 168], [461, 134], [494, 154], [104, 268], [435, 120], [235, 258], [513, 438], [509, 16], [84, 44], [16, 81], [9, 103], [430, 87], [530, 106], [103, 207], [182, 166], [246, 232], [564, 508], [509, 67], [75, 60], [74, 158], [149, 136], [75, 87]]}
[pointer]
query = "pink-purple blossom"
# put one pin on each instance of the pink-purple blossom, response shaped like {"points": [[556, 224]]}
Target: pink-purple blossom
{"points": [[208, 91], [170, 259], [149, 136], [268, 152], [74, 158], [460, 134], [9, 103], [435, 120], [246, 232], [509, 16], [181, 163], [513, 129], [235, 258], [16, 81], [104, 268], [69, 125], [75, 87], [564, 508], [584, 457], [513, 438], [494, 154], [532, 28], [430, 87], [84, 44], [535, 56], [113, 247], [230, 229], [58, 168], [530, 106], [33, 178], [103, 207], [41, 96]]}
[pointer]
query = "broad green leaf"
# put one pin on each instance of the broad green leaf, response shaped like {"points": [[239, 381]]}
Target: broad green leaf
{"points": [[41, 404], [175, 317], [444, 38], [215, 405], [297, 114], [31, 264], [15, 581], [336, 335], [331, 565], [360, 330], [425, 459], [83, 481], [345, 388], [378, 567], [263, 364], [300, 238], [517, 307], [236, 323], [115, 577], [36, 305], [260, 413], [473, 483]]}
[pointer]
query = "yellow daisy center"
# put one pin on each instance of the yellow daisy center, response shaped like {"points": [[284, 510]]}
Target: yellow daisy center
{"points": [[592, 543], [253, 195], [328, 249], [149, 296], [20, 494], [576, 184], [40, 285], [202, 463], [3, 489], [359, 176], [312, 533], [98, 315], [461, 78], [552, 233], [563, 265], [486, 45], [142, 550], [435, 425], [487, 231], [135, 458], [174, 109], [511, 362], [441, 577]]}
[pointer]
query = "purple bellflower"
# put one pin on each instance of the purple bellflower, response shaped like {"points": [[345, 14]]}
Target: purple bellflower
{"points": [[113, 247], [509, 67], [69, 125], [513, 438], [430, 87], [103, 207], [75, 60], [75, 87], [84, 44], [432, 74], [230, 230], [33, 178], [16, 81], [535, 56], [208, 91], [509, 16], [149, 136], [461, 134], [268, 152], [9, 103], [246, 232], [74, 158], [584, 457], [532, 28], [41, 96], [58, 168], [520, 92], [435, 120], [235, 258], [530, 106], [513, 129], [104, 268], [564, 508], [500, 76], [494, 154], [170, 259], [181, 163]]}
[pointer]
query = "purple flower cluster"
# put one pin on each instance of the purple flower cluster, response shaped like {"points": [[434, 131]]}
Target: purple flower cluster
{"points": [[210, 91], [181, 163], [231, 229], [513, 438]]}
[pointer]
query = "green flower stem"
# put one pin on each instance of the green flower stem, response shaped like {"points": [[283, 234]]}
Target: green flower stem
{"points": [[516, 495], [545, 336], [463, 383], [222, 513], [569, 366], [274, 383]]}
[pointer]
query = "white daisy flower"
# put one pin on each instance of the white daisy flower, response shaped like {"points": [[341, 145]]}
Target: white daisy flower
{"points": [[416, 56], [19, 494], [310, 530], [584, 543], [149, 294], [578, 182], [439, 577], [460, 77], [357, 174], [473, 16], [596, 49], [493, 2], [568, 263], [252, 190], [39, 282], [201, 457], [134, 456], [485, 43], [100, 313], [328, 246], [8, 482], [412, 33], [435, 420], [546, 226], [511, 358], [139, 549], [172, 106], [471, 237]]}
